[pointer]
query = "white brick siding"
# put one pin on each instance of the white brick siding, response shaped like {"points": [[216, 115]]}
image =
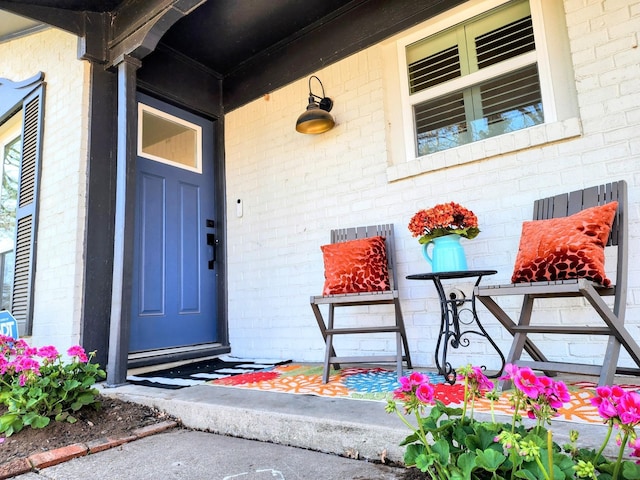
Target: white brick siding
{"points": [[59, 278], [295, 188]]}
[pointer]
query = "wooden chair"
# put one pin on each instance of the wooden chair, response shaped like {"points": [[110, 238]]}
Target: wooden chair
{"points": [[329, 330], [613, 318]]}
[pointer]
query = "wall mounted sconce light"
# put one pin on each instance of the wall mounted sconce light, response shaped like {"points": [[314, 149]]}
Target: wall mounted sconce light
{"points": [[316, 119]]}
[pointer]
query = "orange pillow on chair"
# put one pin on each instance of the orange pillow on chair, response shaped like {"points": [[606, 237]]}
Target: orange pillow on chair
{"points": [[564, 248], [355, 266]]}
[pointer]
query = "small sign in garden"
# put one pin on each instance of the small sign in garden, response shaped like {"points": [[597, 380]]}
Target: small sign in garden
{"points": [[8, 324]]}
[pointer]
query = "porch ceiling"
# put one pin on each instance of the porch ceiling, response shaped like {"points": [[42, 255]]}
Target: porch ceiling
{"points": [[224, 33]]}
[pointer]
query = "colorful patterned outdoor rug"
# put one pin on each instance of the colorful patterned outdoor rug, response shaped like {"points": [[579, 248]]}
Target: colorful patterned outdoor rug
{"points": [[377, 384]]}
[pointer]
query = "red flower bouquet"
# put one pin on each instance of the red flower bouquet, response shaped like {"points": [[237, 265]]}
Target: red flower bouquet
{"points": [[444, 219]]}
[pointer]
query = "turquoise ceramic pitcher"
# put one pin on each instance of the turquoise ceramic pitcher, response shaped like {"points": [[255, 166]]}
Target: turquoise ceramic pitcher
{"points": [[447, 255]]}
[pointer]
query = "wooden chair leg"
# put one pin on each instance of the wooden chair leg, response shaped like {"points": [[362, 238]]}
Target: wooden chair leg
{"points": [[328, 339], [330, 351], [613, 321], [329, 331], [520, 338], [610, 362], [515, 352], [321, 324], [399, 354], [508, 323], [403, 333], [327, 359]]}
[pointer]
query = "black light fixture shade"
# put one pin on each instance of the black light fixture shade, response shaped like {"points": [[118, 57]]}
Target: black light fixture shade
{"points": [[316, 119]]}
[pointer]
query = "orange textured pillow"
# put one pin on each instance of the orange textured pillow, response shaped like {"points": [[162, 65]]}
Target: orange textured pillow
{"points": [[355, 266], [567, 247]]}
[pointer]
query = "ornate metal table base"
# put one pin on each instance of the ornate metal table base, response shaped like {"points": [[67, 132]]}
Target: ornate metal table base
{"points": [[458, 319]]}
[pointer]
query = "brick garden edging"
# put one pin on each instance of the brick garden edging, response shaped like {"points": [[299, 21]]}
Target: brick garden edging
{"points": [[38, 461]]}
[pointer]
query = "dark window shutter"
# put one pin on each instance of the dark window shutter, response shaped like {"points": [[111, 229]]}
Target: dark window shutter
{"points": [[27, 209]]}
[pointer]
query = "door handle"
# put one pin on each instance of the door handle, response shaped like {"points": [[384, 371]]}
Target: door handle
{"points": [[211, 242]]}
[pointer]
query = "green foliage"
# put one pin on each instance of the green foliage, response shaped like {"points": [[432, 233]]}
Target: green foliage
{"points": [[466, 449], [36, 385], [631, 471], [449, 445]]}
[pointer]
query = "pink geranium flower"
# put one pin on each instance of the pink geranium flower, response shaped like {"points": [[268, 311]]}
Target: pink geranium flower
{"points": [[634, 444], [4, 365], [534, 411], [407, 384], [26, 364], [482, 383], [425, 393], [49, 353], [510, 371], [561, 391], [555, 393], [417, 378], [629, 408], [606, 408], [475, 380], [415, 391], [78, 352], [527, 382], [540, 396], [620, 409]]}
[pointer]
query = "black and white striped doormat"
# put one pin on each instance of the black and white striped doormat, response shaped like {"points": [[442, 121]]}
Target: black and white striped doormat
{"points": [[198, 373]]}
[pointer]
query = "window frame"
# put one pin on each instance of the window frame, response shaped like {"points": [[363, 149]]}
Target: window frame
{"points": [[463, 82], [561, 120]]}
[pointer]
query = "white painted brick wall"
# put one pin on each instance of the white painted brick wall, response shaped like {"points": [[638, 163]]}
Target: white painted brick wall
{"points": [[295, 188], [58, 281]]}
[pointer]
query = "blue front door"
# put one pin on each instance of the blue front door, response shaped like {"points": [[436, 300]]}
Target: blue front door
{"points": [[174, 279]]}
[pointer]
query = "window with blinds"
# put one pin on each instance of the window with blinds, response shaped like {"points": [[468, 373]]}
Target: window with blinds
{"points": [[474, 81]]}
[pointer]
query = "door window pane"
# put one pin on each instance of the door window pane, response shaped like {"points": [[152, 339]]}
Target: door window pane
{"points": [[168, 139]]}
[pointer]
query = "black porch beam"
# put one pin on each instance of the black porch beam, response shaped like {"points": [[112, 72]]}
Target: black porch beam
{"points": [[138, 26], [361, 25]]}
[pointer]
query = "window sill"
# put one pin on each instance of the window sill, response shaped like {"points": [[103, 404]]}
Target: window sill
{"points": [[486, 149]]}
